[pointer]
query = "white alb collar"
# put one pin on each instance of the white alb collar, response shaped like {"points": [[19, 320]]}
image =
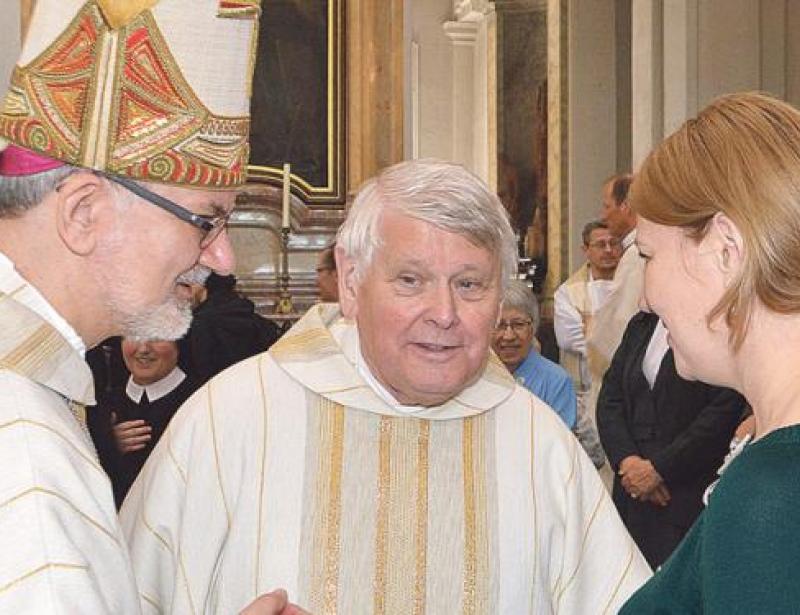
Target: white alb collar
{"points": [[628, 240]]}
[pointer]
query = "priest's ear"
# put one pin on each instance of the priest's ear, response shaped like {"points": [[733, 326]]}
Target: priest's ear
{"points": [[346, 268], [80, 202]]}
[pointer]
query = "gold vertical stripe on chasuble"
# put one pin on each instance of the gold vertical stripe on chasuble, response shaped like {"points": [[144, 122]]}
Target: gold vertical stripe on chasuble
{"points": [[421, 531], [401, 538], [476, 550], [327, 504], [382, 520]]}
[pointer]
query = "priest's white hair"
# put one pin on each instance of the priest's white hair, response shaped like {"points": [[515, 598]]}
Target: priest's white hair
{"points": [[439, 193]]}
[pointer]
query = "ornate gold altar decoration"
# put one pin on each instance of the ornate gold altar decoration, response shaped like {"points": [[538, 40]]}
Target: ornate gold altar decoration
{"points": [[112, 90]]}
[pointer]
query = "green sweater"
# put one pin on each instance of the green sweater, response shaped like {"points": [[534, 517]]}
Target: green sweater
{"points": [[743, 553]]}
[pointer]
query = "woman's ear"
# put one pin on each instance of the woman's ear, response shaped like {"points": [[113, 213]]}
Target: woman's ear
{"points": [[346, 268], [725, 240], [80, 199]]}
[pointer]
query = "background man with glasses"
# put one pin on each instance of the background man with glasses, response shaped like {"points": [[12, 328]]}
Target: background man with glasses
{"points": [[576, 302], [577, 299], [126, 144], [513, 343]]}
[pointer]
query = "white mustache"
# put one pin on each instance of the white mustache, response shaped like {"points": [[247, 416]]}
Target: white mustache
{"points": [[196, 275]]}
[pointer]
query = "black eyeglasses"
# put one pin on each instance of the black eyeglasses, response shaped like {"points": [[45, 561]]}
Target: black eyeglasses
{"points": [[211, 226], [605, 244], [517, 326]]}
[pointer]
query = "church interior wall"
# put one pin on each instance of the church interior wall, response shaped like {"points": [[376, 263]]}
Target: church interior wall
{"points": [[636, 69]]}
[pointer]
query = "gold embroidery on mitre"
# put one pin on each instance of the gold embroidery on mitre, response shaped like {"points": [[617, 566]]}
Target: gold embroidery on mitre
{"points": [[46, 107], [151, 126], [239, 9], [118, 13]]}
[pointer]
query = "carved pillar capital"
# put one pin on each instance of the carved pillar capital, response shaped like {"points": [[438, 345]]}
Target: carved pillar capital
{"points": [[461, 32], [472, 10]]}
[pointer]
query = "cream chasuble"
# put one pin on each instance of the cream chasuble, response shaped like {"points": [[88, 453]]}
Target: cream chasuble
{"points": [[611, 320], [61, 544], [288, 470]]}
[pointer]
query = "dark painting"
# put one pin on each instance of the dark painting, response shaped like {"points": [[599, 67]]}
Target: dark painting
{"points": [[296, 87]]}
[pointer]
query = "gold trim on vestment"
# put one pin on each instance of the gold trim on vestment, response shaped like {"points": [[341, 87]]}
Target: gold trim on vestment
{"points": [[150, 529], [470, 538], [601, 497], [36, 350], [421, 534], [56, 565], [91, 461], [262, 471], [482, 571], [382, 513], [621, 579], [185, 578], [313, 343], [334, 509], [151, 601], [217, 466], [173, 458], [556, 590], [58, 496]]}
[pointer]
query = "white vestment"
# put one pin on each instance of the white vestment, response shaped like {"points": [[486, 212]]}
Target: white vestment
{"points": [[611, 320], [288, 470], [575, 303], [62, 547]]}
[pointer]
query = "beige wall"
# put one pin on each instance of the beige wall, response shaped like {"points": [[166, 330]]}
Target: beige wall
{"points": [[701, 49], [596, 111]]}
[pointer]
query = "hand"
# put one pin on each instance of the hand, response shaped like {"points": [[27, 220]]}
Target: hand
{"points": [[130, 436], [275, 602], [639, 477], [660, 496]]}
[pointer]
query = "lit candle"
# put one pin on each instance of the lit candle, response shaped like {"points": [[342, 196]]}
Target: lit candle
{"points": [[287, 169]]}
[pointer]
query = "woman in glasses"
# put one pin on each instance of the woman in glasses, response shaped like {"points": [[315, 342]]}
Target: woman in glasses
{"points": [[719, 227], [515, 343]]}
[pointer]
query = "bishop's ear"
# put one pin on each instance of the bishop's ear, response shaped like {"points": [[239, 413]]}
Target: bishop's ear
{"points": [[348, 284], [80, 201]]}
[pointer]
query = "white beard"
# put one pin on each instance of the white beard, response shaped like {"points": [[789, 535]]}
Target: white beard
{"points": [[168, 320]]}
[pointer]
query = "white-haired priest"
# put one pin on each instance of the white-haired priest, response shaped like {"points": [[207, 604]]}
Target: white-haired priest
{"points": [[379, 459]]}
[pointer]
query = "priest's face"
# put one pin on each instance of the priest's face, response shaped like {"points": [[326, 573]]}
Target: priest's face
{"points": [[149, 362], [425, 309]]}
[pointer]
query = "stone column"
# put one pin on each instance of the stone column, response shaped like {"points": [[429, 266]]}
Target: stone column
{"points": [[473, 39], [647, 53], [462, 35]]}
